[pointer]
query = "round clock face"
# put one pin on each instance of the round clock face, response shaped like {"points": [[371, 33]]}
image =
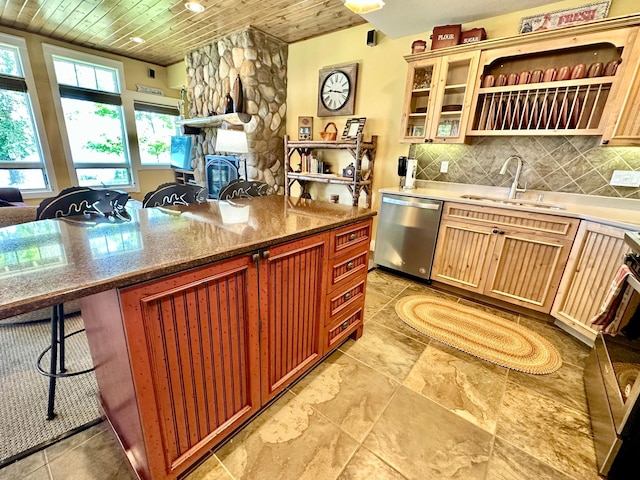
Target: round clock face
{"points": [[335, 90]]}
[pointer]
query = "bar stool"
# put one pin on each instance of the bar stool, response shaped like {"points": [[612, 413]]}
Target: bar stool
{"points": [[175, 194], [74, 201]]}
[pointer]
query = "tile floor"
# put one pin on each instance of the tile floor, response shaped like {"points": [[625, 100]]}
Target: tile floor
{"points": [[393, 405]]}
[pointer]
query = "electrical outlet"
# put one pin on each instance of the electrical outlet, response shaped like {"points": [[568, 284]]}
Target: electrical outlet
{"points": [[625, 178], [444, 166]]}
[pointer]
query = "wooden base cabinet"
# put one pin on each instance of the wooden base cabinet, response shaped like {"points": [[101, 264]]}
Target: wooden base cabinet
{"points": [[596, 255], [513, 256], [182, 361], [292, 300]]}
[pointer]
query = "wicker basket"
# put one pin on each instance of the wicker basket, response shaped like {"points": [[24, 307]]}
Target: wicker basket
{"points": [[329, 136]]}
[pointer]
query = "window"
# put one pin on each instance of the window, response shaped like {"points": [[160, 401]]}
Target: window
{"points": [[22, 163], [155, 125], [94, 121]]}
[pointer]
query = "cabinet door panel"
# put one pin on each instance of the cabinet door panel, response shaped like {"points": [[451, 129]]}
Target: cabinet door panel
{"points": [[292, 305], [194, 343], [527, 269], [594, 260], [463, 255]]}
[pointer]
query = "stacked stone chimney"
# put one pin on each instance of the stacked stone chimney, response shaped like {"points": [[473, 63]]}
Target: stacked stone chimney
{"points": [[261, 62]]}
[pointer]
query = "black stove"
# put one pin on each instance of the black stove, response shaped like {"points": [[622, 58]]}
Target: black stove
{"points": [[612, 381]]}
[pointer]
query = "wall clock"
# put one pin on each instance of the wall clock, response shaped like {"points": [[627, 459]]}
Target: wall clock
{"points": [[337, 90]]}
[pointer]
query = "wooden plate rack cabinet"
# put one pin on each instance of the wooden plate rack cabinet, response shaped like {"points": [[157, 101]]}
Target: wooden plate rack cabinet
{"points": [[604, 105]]}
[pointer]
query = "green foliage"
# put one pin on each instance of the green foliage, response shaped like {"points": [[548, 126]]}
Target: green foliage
{"points": [[157, 148], [103, 110], [114, 147], [15, 143]]}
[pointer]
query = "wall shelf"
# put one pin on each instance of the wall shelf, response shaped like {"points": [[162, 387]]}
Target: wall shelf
{"points": [[216, 120], [358, 148]]}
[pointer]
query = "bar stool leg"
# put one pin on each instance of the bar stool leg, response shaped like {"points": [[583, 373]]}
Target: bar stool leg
{"points": [[61, 338], [53, 363]]}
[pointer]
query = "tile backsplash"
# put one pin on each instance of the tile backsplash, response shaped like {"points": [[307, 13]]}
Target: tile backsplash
{"points": [[559, 164]]}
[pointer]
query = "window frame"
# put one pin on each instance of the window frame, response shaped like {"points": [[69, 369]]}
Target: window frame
{"points": [[51, 51], [46, 163], [127, 96], [162, 101]]}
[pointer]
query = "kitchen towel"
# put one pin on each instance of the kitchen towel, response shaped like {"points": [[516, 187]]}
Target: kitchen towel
{"points": [[603, 321]]}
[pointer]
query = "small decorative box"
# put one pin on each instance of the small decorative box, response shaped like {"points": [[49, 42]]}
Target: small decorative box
{"points": [[445, 36], [473, 35]]}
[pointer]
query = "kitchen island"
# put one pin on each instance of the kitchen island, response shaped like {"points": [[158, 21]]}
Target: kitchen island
{"points": [[198, 316]]}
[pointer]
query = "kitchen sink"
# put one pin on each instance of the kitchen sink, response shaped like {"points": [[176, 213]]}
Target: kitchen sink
{"points": [[515, 202]]}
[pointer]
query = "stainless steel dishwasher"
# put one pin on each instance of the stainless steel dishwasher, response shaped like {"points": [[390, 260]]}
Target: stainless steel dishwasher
{"points": [[407, 232]]}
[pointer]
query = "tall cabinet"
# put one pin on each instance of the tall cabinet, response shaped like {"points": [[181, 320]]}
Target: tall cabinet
{"points": [[438, 98]]}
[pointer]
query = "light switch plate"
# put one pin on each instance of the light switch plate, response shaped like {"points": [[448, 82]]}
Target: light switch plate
{"points": [[444, 166], [625, 178]]}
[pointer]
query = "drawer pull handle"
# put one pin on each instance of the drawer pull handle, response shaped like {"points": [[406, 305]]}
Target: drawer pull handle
{"points": [[350, 265], [347, 295], [352, 237], [344, 325]]}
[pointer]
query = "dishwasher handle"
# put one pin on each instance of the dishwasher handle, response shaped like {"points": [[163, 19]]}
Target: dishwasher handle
{"points": [[405, 203]]}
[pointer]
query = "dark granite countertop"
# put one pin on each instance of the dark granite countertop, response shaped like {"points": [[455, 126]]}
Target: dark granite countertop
{"points": [[50, 261]]}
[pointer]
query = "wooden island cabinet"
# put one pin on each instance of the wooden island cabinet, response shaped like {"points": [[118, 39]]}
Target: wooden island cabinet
{"points": [[184, 360], [198, 316]]}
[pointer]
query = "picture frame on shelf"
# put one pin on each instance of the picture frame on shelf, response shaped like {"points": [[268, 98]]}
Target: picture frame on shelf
{"points": [[417, 131], [353, 128]]}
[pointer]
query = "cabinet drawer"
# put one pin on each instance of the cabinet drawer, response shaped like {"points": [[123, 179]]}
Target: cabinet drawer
{"points": [[344, 298], [344, 327], [350, 237], [537, 223], [348, 267]]}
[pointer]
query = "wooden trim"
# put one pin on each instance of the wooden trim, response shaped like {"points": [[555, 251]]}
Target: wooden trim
{"points": [[533, 38]]}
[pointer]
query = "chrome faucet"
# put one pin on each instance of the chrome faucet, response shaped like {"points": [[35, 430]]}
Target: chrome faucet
{"points": [[514, 190]]}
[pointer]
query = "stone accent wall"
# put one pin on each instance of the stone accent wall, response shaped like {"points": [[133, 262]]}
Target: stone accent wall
{"points": [[558, 164], [261, 62]]}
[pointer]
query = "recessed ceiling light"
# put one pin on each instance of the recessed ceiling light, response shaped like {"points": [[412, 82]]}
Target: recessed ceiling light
{"points": [[137, 39], [194, 7]]}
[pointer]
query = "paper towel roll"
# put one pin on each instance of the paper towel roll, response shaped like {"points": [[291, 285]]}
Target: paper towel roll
{"points": [[410, 179]]}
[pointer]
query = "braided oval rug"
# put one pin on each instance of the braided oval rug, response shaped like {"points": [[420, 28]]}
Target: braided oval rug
{"points": [[480, 334]]}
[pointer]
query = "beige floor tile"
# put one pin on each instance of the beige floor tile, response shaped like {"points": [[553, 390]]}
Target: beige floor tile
{"points": [[469, 387], [565, 385], [509, 463], [289, 441], [210, 469], [347, 392], [547, 430], [99, 458], [386, 283], [422, 440], [33, 464], [416, 288], [366, 466], [390, 319], [67, 444], [374, 303], [385, 350]]}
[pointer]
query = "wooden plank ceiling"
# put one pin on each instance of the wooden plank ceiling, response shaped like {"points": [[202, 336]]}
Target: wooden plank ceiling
{"points": [[168, 28]]}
